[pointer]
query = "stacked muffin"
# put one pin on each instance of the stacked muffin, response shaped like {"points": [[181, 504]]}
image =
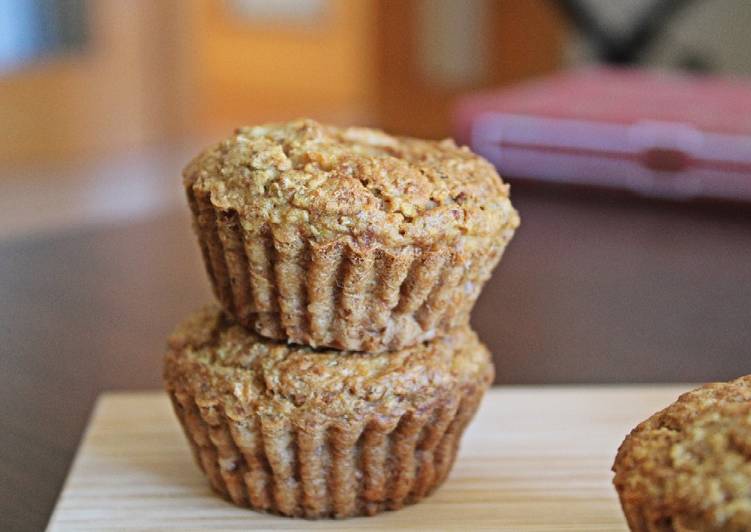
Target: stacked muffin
{"points": [[340, 372]]}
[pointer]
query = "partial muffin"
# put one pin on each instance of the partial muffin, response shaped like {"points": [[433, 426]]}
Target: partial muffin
{"points": [[300, 432], [347, 238], [688, 467]]}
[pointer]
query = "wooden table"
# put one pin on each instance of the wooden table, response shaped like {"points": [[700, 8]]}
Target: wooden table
{"points": [[534, 459], [593, 289]]}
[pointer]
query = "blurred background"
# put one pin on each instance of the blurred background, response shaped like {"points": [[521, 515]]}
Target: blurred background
{"points": [[624, 129], [87, 77]]}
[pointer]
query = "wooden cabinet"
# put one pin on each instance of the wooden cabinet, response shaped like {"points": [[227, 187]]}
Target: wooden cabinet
{"points": [[151, 71], [107, 96]]}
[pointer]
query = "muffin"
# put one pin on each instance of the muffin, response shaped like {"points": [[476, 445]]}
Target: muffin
{"points": [[347, 238], [688, 467], [311, 433]]}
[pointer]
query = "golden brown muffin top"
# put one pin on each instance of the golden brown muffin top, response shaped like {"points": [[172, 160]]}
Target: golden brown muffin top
{"points": [[689, 465], [356, 182], [222, 362]]}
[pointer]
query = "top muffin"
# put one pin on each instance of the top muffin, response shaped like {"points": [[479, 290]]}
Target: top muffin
{"points": [[358, 203], [688, 467]]}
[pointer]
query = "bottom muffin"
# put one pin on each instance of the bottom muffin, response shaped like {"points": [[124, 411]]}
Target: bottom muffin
{"points": [[688, 467], [310, 433]]}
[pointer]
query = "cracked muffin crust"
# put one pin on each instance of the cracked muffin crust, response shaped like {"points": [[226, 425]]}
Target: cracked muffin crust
{"points": [[347, 237], [688, 467], [303, 432]]}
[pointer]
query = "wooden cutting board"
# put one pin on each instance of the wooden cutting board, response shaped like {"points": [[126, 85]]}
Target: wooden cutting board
{"points": [[535, 458]]}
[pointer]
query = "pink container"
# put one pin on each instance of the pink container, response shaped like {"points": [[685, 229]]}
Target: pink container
{"points": [[656, 133]]}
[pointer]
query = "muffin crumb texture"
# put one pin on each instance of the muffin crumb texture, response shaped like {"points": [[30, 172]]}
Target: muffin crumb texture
{"points": [[357, 182], [688, 467]]}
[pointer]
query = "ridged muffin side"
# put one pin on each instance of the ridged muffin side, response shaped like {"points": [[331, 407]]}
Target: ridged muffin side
{"points": [[314, 434], [347, 238], [688, 467]]}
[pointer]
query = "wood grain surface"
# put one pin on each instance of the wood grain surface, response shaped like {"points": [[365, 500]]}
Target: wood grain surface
{"points": [[535, 458]]}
